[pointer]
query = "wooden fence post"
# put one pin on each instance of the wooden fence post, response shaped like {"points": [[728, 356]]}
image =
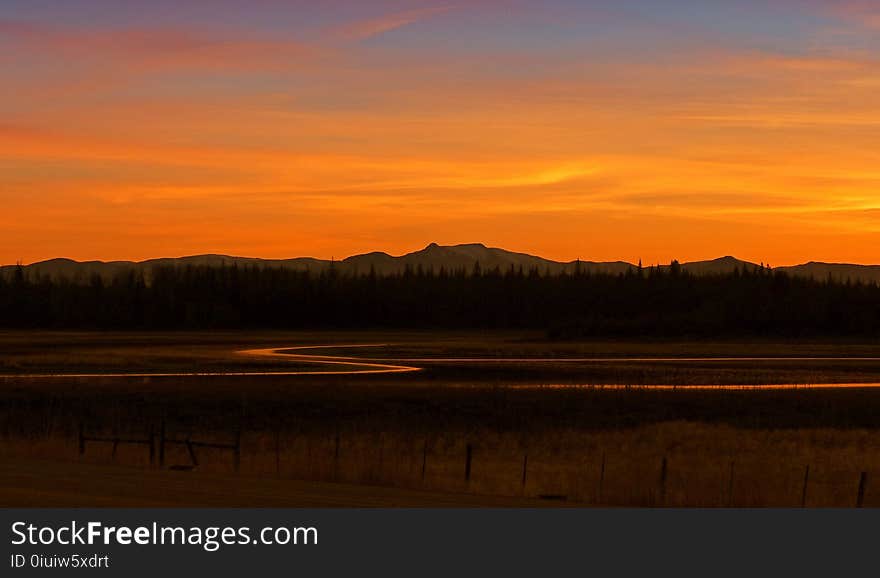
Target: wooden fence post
{"points": [[192, 452], [601, 478], [663, 473], [467, 463], [82, 440], [48, 430], [278, 452], [152, 445], [381, 467], [336, 454], [424, 459], [162, 443], [236, 458], [863, 485], [524, 471], [730, 485], [806, 483]]}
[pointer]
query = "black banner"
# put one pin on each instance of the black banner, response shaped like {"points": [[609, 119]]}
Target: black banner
{"points": [[404, 542]]}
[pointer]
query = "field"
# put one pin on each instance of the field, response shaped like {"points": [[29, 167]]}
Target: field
{"points": [[488, 418]]}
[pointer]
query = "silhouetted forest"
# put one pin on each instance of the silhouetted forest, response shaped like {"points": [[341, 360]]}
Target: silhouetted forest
{"points": [[642, 302]]}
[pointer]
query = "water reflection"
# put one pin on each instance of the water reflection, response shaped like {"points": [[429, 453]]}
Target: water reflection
{"points": [[353, 365], [752, 387]]}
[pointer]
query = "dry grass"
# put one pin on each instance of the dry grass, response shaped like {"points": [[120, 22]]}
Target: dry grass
{"points": [[768, 465], [384, 423]]}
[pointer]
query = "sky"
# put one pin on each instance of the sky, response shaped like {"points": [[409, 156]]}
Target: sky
{"points": [[634, 129]]}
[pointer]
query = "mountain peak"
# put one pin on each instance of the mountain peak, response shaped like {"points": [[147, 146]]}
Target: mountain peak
{"points": [[436, 246]]}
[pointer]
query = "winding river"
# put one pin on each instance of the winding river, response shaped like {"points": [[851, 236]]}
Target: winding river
{"points": [[356, 365]]}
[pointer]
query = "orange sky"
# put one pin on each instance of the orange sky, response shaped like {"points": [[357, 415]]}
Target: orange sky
{"points": [[574, 131]]}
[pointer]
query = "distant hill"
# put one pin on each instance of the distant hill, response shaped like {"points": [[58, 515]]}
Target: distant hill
{"points": [[721, 266], [838, 271], [433, 257], [458, 257]]}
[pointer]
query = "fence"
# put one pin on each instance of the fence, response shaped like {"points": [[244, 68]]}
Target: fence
{"points": [[157, 440], [152, 441]]}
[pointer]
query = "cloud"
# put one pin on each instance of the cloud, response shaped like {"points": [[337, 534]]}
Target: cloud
{"points": [[156, 48], [18, 131], [365, 29], [863, 12]]}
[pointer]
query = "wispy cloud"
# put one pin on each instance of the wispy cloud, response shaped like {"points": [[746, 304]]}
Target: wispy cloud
{"points": [[365, 29], [863, 12], [163, 48]]}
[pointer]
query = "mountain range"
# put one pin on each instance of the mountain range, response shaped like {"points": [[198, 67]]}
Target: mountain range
{"points": [[434, 256]]}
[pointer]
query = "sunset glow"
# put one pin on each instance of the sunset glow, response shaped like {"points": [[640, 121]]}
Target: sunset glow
{"points": [[569, 129]]}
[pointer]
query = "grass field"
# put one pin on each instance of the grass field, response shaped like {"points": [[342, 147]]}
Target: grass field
{"points": [[36, 483], [577, 445]]}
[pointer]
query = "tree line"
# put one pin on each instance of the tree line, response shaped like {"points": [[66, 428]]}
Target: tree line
{"points": [[651, 302]]}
